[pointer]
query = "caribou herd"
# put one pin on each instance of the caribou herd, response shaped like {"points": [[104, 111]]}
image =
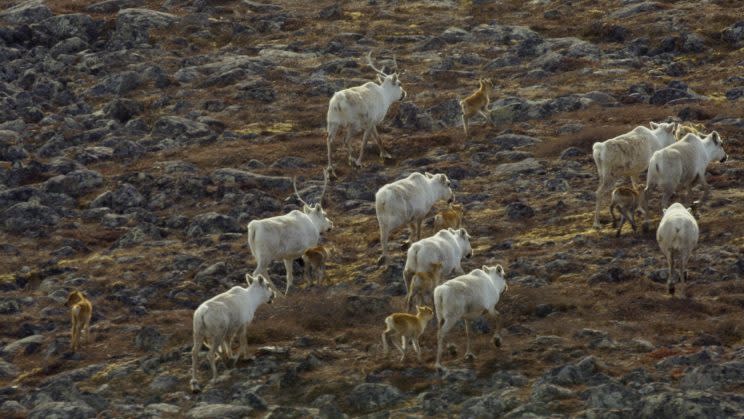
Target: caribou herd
{"points": [[675, 157]]}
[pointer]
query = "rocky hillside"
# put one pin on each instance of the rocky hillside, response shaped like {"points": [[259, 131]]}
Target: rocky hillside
{"points": [[139, 137]]}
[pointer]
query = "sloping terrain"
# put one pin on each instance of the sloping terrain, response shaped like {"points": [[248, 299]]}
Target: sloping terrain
{"points": [[139, 137]]}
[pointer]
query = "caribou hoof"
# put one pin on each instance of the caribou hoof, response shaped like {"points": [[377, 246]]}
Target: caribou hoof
{"points": [[497, 340], [597, 225], [195, 386], [452, 349], [381, 261], [385, 155], [470, 357]]}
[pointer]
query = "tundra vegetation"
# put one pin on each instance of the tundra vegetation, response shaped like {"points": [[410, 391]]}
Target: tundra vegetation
{"points": [[139, 138]]}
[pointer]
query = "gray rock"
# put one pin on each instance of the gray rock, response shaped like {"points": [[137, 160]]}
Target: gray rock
{"points": [[368, 397], [364, 305], [664, 96], [611, 396], [117, 84], [686, 405], [453, 35], [289, 412], [124, 197], [519, 211], [634, 9], [735, 93], [11, 409], [133, 26], [149, 339], [111, 6], [734, 34], [209, 411], [255, 89], [225, 78], [15, 347], [411, 116], [127, 150], [7, 370], [526, 166], [137, 235], [245, 179], [90, 155], [446, 113], [511, 141], [714, 376], [213, 223], [68, 46], [122, 109], [213, 274], [77, 25], [176, 126], [164, 383], [28, 11], [161, 410], [489, 405], [332, 12], [544, 392], [702, 357], [291, 162], [62, 410], [29, 218], [75, 183]]}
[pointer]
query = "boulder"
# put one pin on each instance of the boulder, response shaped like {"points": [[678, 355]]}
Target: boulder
{"points": [[62, 410], [28, 11], [29, 218], [75, 183], [368, 397], [133, 26]]}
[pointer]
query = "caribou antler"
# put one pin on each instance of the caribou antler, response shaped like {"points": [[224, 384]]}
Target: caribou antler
{"points": [[395, 65], [326, 177], [294, 185], [369, 61]]}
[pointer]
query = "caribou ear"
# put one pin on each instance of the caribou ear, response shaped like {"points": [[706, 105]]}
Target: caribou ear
{"points": [[716, 137], [484, 268], [654, 125], [500, 270], [261, 281], [427, 174], [443, 179], [249, 279]]}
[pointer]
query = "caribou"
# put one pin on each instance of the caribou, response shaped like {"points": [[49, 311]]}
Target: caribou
{"points": [[362, 108]]}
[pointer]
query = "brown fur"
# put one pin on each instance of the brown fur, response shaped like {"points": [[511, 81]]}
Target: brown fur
{"points": [[448, 218], [423, 284], [81, 311], [315, 259], [627, 201], [477, 103], [407, 326]]}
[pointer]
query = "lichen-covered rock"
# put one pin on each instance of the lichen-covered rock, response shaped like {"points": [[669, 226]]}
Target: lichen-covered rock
{"points": [[133, 26], [368, 397], [28, 11]]}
